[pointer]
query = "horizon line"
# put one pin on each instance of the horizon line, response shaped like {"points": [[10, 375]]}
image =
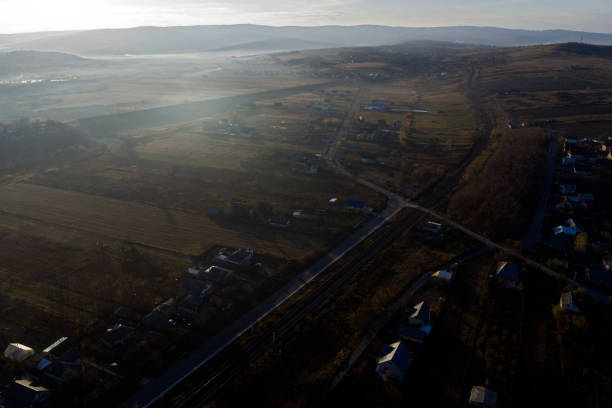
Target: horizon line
{"points": [[296, 26]]}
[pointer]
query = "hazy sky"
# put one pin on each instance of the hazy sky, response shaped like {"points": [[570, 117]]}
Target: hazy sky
{"points": [[38, 15]]}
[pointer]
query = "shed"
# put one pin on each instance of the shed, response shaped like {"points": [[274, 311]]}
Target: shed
{"points": [[481, 396], [18, 352]]}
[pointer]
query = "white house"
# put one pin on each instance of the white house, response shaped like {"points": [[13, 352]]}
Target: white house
{"points": [[18, 352], [393, 361]]}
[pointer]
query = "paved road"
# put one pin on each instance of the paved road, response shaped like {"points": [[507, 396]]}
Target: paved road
{"points": [[158, 387], [511, 251]]}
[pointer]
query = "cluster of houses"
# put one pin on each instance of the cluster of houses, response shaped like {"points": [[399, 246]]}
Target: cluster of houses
{"points": [[57, 365], [394, 359], [305, 163], [380, 131], [62, 363], [581, 232]]}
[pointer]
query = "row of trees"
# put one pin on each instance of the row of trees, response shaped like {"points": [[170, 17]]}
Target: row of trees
{"points": [[499, 199], [25, 139]]}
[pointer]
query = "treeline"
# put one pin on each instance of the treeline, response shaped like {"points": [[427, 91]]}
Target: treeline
{"points": [[25, 140], [499, 196]]}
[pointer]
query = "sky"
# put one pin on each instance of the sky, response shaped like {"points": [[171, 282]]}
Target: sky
{"points": [[43, 15]]}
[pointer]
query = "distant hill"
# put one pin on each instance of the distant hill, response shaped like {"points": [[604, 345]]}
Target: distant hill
{"points": [[151, 40], [586, 49], [41, 142], [17, 62], [276, 44]]}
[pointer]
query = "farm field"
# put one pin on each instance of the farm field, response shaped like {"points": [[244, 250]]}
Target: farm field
{"points": [[104, 218], [409, 133]]}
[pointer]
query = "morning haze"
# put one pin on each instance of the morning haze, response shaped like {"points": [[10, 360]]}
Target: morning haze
{"points": [[305, 204]]}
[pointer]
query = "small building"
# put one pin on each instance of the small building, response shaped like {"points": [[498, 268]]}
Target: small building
{"points": [[218, 274], [25, 393], [481, 396], [18, 352], [442, 276], [411, 334], [393, 361], [606, 262], [117, 335], [567, 302], [419, 315]]}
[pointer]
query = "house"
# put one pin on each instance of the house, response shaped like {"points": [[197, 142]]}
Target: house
{"points": [[280, 221], [25, 393], [156, 321], [600, 276], [567, 302], [18, 352], [507, 275], [241, 257], [418, 315], [568, 228], [432, 227], [410, 334], [218, 274], [393, 361], [190, 305], [442, 276], [117, 335], [481, 396]]}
